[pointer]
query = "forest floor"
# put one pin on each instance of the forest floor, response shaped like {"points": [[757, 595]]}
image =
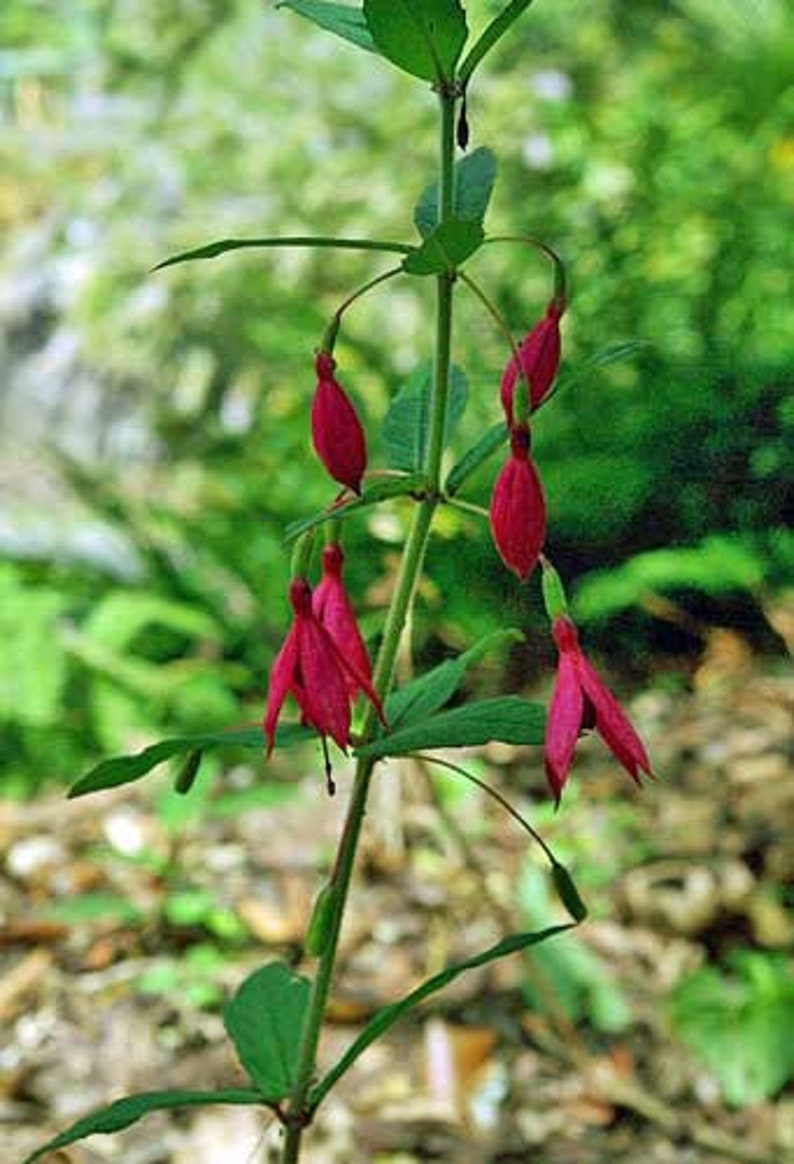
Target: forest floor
{"points": [[127, 918]]}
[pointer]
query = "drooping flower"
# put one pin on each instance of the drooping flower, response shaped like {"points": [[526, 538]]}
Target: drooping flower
{"points": [[332, 609], [337, 434], [580, 698], [317, 672], [539, 354], [518, 511]]}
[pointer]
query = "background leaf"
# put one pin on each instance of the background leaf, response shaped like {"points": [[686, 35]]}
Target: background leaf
{"points": [[344, 21], [510, 719], [474, 179], [123, 1112], [264, 1020], [485, 447], [407, 421], [423, 39]]}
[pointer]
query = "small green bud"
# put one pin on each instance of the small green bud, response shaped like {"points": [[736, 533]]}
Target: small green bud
{"points": [[319, 930], [568, 893], [186, 776], [554, 598]]}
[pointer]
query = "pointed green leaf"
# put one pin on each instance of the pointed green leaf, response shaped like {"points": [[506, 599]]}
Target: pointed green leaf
{"points": [[485, 447], [264, 1020], [407, 421], [445, 248], [388, 1016], [127, 1111], [221, 246], [126, 769], [421, 697], [494, 32], [474, 179], [341, 19], [510, 719], [381, 489], [424, 39]]}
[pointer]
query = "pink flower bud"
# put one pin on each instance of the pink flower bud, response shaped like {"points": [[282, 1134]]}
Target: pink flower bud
{"points": [[580, 699], [337, 434], [539, 353], [518, 511]]}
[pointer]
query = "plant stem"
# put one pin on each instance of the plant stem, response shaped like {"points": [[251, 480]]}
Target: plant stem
{"points": [[300, 1104]]}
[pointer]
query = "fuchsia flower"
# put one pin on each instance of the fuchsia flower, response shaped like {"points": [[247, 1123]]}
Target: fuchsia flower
{"points": [[317, 671], [331, 607], [539, 354], [580, 699], [518, 511], [337, 434]]}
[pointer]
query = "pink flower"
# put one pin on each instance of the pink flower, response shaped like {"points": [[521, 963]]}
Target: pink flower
{"points": [[539, 353], [337, 434], [518, 511], [317, 672], [580, 699], [332, 609]]}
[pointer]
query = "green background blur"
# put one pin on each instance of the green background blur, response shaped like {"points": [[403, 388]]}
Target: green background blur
{"points": [[154, 426]]}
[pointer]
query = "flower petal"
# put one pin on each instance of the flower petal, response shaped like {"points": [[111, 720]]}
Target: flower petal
{"points": [[613, 725], [326, 703], [282, 675], [563, 723]]}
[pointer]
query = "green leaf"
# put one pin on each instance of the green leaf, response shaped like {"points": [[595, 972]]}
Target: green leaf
{"points": [[341, 19], [510, 719], [567, 892], [474, 179], [388, 1016], [485, 447], [221, 246], [379, 490], [126, 769], [494, 32], [407, 421], [424, 39], [127, 1111], [264, 1020], [445, 248], [421, 697]]}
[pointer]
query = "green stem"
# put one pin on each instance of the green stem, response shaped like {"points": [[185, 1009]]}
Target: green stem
{"points": [[301, 1108]]}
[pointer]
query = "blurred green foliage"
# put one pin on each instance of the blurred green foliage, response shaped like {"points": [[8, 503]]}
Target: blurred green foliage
{"points": [[647, 142], [739, 1024]]}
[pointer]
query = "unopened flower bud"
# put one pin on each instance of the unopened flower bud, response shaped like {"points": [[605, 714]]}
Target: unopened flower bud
{"points": [[337, 434]]}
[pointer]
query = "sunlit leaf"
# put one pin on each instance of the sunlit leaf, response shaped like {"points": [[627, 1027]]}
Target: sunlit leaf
{"points": [[474, 179], [445, 248], [344, 21], [416, 700], [510, 719], [424, 39], [125, 769], [264, 1020], [124, 1112], [407, 422], [385, 1018]]}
